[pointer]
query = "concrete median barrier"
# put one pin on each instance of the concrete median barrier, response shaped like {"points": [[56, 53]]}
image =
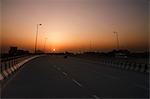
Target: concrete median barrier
{"points": [[12, 68], [128, 66]]}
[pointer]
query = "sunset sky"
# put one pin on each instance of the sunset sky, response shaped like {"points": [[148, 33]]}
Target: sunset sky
{"points": [[75, 25]]}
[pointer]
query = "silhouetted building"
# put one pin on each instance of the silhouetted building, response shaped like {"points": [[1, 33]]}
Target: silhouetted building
{"points": [[13, 51]]}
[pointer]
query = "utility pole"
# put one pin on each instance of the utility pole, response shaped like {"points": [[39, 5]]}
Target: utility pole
{"points": [[36, 37], [117, 38]]}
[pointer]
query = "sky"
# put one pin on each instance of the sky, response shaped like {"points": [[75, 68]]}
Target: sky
{"points": [[74, 25]]}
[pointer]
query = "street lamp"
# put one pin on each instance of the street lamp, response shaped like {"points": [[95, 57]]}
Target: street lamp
{"points": [[117, 39], [36, 36]]}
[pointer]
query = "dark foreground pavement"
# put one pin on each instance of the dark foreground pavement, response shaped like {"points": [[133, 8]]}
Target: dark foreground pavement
{"points": [[57, 77]]}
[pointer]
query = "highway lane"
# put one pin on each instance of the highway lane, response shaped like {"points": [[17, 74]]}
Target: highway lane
{"points": [[104, 80], [56, 77]]}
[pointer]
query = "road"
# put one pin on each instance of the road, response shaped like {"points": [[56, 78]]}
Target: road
{"points": [[57, 77]]}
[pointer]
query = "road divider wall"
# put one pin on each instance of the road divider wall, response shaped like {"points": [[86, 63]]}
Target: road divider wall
{"points": [[128, 66], [11, 66]]}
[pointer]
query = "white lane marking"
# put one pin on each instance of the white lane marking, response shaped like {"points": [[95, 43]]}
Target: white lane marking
{"points": [[76, 82], [65, 73], [96, 97]]}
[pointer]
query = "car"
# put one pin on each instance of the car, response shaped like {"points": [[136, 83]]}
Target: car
{"points": [[121, 55], [66, 56]]}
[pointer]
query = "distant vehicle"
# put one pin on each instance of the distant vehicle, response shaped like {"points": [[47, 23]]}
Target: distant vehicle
{"points": [[121, 55], [66, 56]]}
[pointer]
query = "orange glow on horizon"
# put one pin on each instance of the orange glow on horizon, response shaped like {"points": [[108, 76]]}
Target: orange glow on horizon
{"points": [[73, 26], [54, 50]]}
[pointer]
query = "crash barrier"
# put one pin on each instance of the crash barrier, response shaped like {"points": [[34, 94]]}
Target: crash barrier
{"points": [[10, 61], [128, 65], [11, 65]]}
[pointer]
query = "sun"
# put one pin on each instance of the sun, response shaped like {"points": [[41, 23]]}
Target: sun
{"points": [[54, 49]]}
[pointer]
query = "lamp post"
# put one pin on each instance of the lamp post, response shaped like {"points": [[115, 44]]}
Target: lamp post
{"points": [[36, 37], [116, 33]]}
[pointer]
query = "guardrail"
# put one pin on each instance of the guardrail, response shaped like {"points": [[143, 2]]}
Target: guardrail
{"points": [[128, 65], [10, 61], [10, 64], [143, 67]]}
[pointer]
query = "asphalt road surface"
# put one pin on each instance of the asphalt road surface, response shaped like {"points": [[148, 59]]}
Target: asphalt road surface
{"points": [[57, 77]]}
